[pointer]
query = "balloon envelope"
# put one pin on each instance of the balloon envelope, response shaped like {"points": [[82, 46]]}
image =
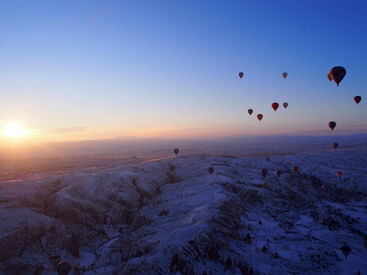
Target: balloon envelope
{"points": [[260, 117], [241, 74], [357, 99], [63, 267], [275, 106], [211, 170], [339, 174], [263, 172], [278, 172], [285, 75], [337, 74], [335, 145], [332, 125], [250, 111], [285, 105], [176, 151]]}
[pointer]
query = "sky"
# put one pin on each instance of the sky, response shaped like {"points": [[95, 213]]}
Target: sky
{"points": [[78, 70]]}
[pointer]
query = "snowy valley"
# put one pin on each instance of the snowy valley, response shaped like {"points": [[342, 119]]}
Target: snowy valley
{"points": [[169, 215]]}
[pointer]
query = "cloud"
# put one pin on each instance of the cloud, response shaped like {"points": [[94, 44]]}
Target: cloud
{"points": [[66, 130]]}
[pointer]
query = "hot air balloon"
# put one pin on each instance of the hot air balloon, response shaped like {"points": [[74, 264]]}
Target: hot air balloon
{"points": [[329, 77], [211, 170], [337, 74], [275, 106], [285, 105], [285, 75], [357, 99], [346, 251], [339, 174], [241, 74], [260, 117], [295, 169], [335, 145], [63, 267], [250, 111], [176, 151], [108, 220], [263, 172], [248, 239], [278, 172], [332, 125]]}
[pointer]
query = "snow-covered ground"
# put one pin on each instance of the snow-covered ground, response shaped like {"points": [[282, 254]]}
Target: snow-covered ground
{"points": [[170, 216]]}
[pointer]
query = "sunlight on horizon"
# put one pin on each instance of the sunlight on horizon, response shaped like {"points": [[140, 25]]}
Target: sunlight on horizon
{"points": [[14, 130]]}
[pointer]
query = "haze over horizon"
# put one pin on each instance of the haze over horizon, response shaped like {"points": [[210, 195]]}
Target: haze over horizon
{"points": [[156, 148], [92, 70]]}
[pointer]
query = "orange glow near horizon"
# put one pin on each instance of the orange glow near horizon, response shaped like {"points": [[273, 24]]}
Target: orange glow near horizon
{"points": [[14, 130], [16, 135]]}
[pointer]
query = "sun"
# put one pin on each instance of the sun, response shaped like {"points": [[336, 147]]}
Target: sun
{"points": [[14, 130]]}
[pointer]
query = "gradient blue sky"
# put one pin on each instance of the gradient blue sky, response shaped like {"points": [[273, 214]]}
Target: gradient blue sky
{"points": [[100, 69]]}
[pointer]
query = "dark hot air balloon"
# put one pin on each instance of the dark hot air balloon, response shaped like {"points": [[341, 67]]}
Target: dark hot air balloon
{"points": [[275, 106], [346, 251], [176, 151], [285, 105], [332, 125], [335, 145], [357, 99], [295, 168], [263, 172], [285, 75], [278, 172], [211, 170], [63, 268], [108, 220], [260, 117], [339, 174], [241, 74], [250, 111], [337, 74]]}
